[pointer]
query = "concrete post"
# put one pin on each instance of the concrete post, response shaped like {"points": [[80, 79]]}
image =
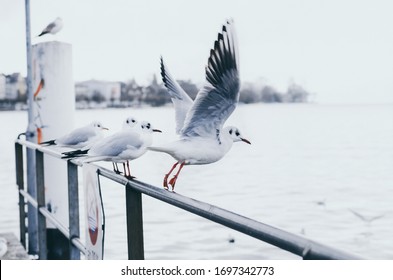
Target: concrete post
{"points": [[52, 68]]}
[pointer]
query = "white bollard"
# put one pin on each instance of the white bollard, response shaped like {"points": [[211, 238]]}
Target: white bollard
{"points": [[55, 116]]}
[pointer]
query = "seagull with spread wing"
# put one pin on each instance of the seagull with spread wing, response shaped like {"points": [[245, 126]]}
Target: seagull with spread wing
{"points": [[203, 139]]}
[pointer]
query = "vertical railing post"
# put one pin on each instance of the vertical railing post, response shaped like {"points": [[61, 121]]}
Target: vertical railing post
{"points": [[73, 208], [31, 136], [21, 184], [134, 224], [42, 244]]}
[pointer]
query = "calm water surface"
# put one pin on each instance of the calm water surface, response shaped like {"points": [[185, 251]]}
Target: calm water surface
{"points": [[311, 169]]}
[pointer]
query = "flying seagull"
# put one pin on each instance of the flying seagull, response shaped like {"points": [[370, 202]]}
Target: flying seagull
{"points": [[366, 218], [203, 139]]}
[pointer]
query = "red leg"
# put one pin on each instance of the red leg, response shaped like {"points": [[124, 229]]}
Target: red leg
{"points": [[125, 171], [174, 178], [129, 171], [115, 168], [167, 175]]}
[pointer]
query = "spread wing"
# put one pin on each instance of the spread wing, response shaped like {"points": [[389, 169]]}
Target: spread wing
{"points": [[218, 98], [181, 100]]}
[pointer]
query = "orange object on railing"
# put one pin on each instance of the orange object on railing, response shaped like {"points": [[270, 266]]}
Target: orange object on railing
{"points": [[40, 86]]}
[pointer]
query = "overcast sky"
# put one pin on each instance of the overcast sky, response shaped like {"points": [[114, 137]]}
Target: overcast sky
{"points": [[340, 50]]}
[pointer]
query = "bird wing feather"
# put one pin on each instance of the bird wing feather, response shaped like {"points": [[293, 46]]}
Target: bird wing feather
{"points": [[218, 98], [181, 100]]}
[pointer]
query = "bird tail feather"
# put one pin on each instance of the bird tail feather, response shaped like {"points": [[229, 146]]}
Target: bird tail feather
{"points": [[74, 154], [160, 149], [49, 143]]}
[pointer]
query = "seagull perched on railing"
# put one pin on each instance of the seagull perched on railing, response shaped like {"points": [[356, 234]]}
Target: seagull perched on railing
{"points": [[129, 123], [52, 27], [120, 147], [203, 139], [80, 137]]}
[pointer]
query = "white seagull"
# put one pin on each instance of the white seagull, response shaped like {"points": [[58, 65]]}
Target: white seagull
{"points": [[129, 123], [121, 147], [53, 27], [203, 139], [80, 137]]}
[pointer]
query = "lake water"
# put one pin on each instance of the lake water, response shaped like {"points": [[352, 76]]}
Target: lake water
{"points": [[309, 169]]}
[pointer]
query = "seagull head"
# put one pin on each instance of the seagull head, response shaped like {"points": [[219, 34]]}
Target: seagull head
{"points": [[130, 122], [234, 133], [59, 21], [98, 126], [147, 127]]}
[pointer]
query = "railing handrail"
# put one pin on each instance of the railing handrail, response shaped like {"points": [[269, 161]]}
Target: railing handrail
{"points": [[284, 240], [76, 241], [45, 150]]}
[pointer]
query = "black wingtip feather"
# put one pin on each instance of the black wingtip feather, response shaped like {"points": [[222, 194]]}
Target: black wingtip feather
{"points": [[75, 153], [163, 74], [223, 56], [49, 143]]}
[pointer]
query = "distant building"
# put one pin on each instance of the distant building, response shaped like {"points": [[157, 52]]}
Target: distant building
{"points": [[2, 86], [15, 87], [131, 93], [155, 94], [296, 94], [99, 91], [132, 90]]}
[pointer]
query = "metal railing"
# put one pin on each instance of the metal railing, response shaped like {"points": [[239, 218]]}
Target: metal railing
{"points": [[298, 245]]}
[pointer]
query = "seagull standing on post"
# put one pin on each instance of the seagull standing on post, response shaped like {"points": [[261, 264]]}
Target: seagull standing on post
{"points": [[52, 27], [203, 139]]}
